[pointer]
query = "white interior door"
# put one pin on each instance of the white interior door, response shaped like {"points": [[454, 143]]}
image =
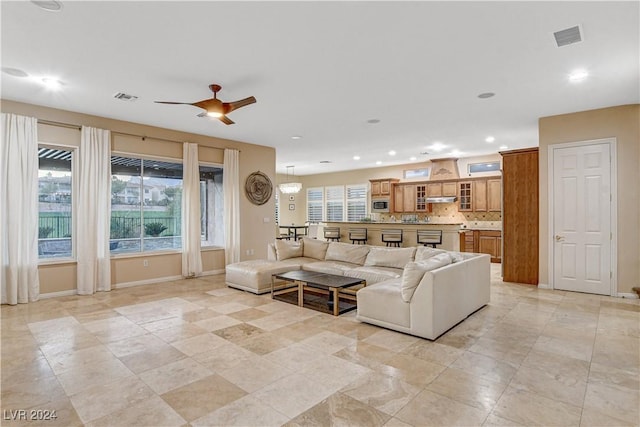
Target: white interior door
{"points": [[582, 199]]}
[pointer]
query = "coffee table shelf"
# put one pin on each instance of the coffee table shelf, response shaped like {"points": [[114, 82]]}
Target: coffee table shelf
{"points": [[316, 290]]}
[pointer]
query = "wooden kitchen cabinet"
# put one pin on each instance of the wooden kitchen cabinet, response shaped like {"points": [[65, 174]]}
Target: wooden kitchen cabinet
{"points": [[434, 189], [479, 196], [494, 195], [421, 198], [449, 189], [382, 187], [483, 242], [404, 198], [464, 196]]}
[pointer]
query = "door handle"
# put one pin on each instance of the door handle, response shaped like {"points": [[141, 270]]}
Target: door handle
{"points": [[559, 238]]}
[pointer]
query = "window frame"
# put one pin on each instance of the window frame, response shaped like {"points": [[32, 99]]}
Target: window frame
{"points": [[211, 165], [74, 202], [143, 158]]}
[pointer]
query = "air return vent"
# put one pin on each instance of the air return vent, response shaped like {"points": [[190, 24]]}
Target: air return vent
{"points": [[125, 97], [568, 36]]}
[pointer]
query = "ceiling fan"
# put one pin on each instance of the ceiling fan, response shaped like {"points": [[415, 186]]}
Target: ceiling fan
{"points": [[214, 107]]}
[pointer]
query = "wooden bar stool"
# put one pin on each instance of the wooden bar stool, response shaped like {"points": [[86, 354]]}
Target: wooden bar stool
{"points": [[332, 234], [429, 237], [392, 237], [358, 235]]}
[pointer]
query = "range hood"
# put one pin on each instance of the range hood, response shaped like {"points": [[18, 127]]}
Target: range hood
{"points": [[450, 199]]}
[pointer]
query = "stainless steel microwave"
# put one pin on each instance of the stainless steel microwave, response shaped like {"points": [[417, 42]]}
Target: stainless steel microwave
{"points": [[380, 205]]}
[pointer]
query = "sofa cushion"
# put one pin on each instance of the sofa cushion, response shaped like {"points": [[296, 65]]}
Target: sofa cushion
{"points": [[286, 249], [330, 267], [424, 252], [389, 257], [374, 274], [355, 254], [314, 248], [456, 256], [414, 271], [383, 302]]}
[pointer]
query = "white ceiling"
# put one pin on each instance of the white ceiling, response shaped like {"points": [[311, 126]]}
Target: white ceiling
{"points": [[322, 69]]}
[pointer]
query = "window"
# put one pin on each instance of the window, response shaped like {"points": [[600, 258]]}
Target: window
{"points": [[146, 200], [211, 206], [356, 202], [315, 204], [484, 167], [334, 203], [55, 201]]}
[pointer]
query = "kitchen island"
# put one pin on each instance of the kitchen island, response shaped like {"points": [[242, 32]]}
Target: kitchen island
{"points": [[450, 232]]}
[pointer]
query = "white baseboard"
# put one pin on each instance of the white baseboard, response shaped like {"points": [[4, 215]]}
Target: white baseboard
{"points": [[145, 282], [58, 294], [544, 286], [627, 295]]}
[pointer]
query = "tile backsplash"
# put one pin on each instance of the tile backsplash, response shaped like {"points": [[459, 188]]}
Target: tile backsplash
{"points": [[448, 213]]}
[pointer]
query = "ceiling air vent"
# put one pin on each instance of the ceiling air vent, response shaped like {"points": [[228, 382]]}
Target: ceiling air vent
{"points": [[125, 96], [568, 36]]}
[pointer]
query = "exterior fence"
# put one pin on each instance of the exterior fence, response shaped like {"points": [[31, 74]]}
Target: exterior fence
{"points": [[57, 227]]}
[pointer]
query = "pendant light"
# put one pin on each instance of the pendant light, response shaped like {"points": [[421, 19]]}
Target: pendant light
{"points": [[290, 187]]}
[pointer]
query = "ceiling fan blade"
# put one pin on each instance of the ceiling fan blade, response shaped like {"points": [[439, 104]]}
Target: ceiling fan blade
{"points": [[230, 106], [226, 120], [171, 102]]}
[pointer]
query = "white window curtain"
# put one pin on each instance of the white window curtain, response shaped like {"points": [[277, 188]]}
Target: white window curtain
{"points": [[231, 184], [19, 209], [94, 211], [191, 257]]}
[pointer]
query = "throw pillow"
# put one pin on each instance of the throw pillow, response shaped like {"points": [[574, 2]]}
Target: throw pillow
{"points": [[390, 257], [424, 252], [286, 249], [414, 271], [314, 248]]}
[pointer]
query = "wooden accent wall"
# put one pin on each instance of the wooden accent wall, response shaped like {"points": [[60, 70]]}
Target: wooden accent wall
{"points": [[520, 216]]}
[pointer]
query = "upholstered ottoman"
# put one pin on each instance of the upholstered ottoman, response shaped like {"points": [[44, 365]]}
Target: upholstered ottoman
{"points": [[255, 275]]}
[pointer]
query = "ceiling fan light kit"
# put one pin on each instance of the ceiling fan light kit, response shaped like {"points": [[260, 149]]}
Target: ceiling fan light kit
{"points": [[214, 107]]}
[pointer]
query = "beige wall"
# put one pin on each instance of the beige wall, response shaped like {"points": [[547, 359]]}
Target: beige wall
{"points": [[622, 123], [255, 232], [361, 176]]}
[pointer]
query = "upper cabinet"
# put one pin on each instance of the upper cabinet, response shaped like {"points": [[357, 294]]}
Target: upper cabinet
{"points": [[464, 196], [434, 189], [450, 189], [479, 196], [494, 195], [404, 198], [382, 187]]}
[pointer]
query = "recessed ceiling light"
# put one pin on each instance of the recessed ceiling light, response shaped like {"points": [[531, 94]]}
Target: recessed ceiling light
{"points": [[413, 158], [503, 147], [486, 95], [15, 72], [392, 152], [578, 76], [373, 121], [51, 5], [356, 157], [378, 162], [51, 83], [437, 146], [490, 139], [296, 137]]}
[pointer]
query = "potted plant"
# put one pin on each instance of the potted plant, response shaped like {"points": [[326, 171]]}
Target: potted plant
{"points": [[154, 229]]}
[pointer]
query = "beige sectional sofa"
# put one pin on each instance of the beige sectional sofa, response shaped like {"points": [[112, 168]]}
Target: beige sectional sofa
{"points": [[417, 290]]}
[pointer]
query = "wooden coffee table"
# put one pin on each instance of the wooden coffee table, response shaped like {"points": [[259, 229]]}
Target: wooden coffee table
{"points": [[334, 287]]}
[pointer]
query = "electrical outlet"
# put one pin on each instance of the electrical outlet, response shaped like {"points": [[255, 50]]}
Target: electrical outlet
{"points": [[145, 263]]}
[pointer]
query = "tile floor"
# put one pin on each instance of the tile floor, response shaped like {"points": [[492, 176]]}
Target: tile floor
{"points": [[194, 352]]}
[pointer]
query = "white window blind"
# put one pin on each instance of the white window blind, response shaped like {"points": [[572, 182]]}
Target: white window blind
{"points": [[356, 202], [315, 204], [334, 203]]}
